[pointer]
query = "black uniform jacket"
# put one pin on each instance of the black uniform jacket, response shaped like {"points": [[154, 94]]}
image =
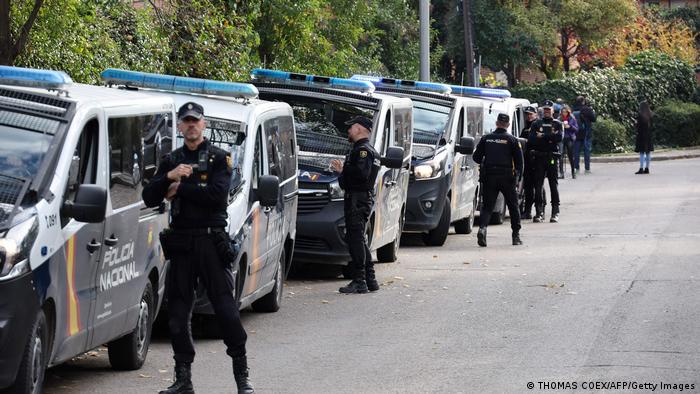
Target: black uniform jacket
{"points": [[360, 168], [499, 153], [202, 196], [545, 135]]}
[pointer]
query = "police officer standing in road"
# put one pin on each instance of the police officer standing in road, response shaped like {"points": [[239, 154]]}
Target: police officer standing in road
{"points": [[196, 179], [543, 141], [528, 173], [357, 176], [501, 159]]}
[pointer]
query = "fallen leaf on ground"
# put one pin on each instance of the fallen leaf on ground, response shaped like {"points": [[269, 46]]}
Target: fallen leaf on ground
{"points": [[398, 277], [163, 370], [324, 301], [143, 375]]}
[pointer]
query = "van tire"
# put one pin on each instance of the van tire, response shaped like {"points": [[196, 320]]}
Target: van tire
{"points": [[438, 235], [30, 377], [272, 301], [390, 252], [466, 225], [129, 352]]}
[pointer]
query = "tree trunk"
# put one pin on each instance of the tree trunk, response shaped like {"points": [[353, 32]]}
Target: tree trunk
{"points": [[9, 48], [564, 49]]}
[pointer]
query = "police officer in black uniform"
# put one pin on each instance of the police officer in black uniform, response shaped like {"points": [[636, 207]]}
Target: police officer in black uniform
{"points": [[543, 146], [528, 173], [357, 176], [196, 178], [501, 159]]}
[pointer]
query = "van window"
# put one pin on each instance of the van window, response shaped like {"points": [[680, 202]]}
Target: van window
{"points": [[136, 144], [475, 116], [460, 124], [403, 124], [83, 168], [281, 145], [274, 155], [386, 133], [257, 159], [515, 124]]}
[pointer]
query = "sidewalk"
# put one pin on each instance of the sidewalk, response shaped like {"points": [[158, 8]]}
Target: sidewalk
{"points": [[661, 154]]}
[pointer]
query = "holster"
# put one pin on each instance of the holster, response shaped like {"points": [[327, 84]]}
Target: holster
{"points": [[224, 247], [174, 243]]}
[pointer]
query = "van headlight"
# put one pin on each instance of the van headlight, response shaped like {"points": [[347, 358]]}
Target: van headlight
{"points": [[15, 249], [337, 192], [432, 168]]}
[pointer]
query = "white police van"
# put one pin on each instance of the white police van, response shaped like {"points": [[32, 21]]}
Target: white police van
{"points": [[444, 178], [263, 194], [321, 107], [80, 262], [500, 103]]}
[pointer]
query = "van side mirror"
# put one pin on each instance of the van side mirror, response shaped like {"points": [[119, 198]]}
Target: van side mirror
{"points": [[393, 158], [466, 146], [89, 206], [268, 190]]}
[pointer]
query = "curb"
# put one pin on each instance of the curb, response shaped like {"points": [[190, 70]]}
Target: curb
{"points": [[631, 159]]}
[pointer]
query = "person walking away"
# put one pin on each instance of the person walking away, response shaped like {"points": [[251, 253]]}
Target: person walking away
{"points": [[570, 132], [545, 135], [528, 172], [198, 246], [357, 176], [584, 140], [644, 144], [501, 158]]}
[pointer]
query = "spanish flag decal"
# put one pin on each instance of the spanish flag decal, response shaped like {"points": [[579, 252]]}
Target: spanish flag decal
{"points": [[72, 299]]}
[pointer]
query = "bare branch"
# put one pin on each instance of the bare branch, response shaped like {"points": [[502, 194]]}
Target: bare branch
{"points": [[24, 32]]}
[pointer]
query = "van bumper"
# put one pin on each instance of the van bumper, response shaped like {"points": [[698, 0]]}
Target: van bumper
{"points": [[419, 218], [321, 236], [19, 305]]}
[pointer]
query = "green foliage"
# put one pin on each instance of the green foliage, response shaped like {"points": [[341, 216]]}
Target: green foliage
{"points": [[677, 123], [609, 136], [615, 93]]}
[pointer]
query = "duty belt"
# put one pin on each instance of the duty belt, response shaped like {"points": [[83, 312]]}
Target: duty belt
{"points": [[199, 231]]}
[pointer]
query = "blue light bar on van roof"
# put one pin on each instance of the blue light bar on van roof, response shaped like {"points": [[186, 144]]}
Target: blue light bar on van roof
{"points": [[404, 84], [179, 84], [34, 78], [481, 92], [312, 80]]}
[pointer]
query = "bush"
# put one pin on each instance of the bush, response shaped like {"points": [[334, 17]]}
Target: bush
{"points": [[677, 124], [609, 136]]}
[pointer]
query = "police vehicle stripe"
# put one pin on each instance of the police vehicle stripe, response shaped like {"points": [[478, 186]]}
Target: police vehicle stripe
{"points": [[73, 306], [377, 215], [253, 283]]}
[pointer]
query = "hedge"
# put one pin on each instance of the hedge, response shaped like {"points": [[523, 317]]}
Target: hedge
{"points": [[615, 93], [677, 124], [609, 136]]}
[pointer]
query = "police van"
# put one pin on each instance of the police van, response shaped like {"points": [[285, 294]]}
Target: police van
{"points": [[444, 178], [263, 193], [497, 101], [321, 107], [80, 262]]}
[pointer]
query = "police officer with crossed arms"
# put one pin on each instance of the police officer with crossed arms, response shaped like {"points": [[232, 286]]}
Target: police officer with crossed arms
{"points": [[357, 176], [501, 159], [543, 145], [196, 179]]}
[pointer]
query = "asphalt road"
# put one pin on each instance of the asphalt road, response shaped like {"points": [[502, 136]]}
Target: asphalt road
{"points": [[608, 294]]}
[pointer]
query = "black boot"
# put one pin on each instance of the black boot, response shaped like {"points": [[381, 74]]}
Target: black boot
{"points": [[555, 214], [481, 237], [356, 286], [539, 217], [183, 380], [516, 239], [646, 170], [240, 373], [641, 171]]}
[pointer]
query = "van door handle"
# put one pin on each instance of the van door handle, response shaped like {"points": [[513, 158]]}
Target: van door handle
{"points": [[390, 183], [93, 246], [111, 241], [464, 167]]}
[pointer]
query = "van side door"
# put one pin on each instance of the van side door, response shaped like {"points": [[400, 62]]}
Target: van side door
{"points": [[83, 245], [462, 168], [384, 213], [402, 137]]}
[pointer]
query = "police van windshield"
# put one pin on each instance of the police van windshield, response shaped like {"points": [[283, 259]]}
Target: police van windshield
{"points": [[228, 135], [320, 124], [25, 141], [429, 122]]}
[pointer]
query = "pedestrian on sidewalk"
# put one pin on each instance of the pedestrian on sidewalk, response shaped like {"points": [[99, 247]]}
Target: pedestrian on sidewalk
{"points": [[570, 131], [584, 142], [644, 144]]}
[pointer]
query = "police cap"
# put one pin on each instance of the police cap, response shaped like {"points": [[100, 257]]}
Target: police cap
{"points": [[547, 104], [503, 118], [362, 121], [190, 110], [530, 110]]}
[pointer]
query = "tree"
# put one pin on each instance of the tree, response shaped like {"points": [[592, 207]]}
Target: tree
{"points": [[12, 43]]}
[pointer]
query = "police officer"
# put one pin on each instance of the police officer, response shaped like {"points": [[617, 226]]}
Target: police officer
{"points": [[196, 179], [528, 173], [501, 159], [357, 176], [543, 141]]}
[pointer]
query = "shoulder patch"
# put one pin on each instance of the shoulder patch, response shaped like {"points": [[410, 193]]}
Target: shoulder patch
{"points": [[363, 154]]}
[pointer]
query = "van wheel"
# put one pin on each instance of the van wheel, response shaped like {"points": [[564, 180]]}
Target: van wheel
{"points": [[438, 235], [466, 225], [30, 377], [272, 301], [129, 352], [390, 252]]}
